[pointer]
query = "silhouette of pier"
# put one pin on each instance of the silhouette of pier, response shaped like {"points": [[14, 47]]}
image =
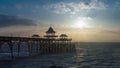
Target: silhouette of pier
{"points": [[36, 45]]}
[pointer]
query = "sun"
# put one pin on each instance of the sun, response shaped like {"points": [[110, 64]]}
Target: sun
{"points": [[79, 24]]}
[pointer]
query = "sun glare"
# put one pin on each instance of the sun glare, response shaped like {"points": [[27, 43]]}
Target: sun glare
{"points": [[79, 24]]}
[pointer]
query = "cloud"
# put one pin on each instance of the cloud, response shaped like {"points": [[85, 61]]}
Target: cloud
{"points": [[58, 8], [72, 7], [110, 32], [6, 21]]}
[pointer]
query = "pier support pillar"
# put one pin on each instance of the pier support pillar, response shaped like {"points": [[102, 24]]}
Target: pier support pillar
{"points": [[1, 44], [11, 48], [19, 43], [28, 44]]}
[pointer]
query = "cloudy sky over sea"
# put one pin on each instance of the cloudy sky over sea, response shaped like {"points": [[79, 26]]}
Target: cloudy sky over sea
{"points": [[83, 20]]}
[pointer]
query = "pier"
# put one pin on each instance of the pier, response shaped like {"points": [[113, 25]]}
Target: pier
{"points": [[36, 45]]}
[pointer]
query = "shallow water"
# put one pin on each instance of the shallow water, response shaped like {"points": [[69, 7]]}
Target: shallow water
{"points": [[88, 55]]}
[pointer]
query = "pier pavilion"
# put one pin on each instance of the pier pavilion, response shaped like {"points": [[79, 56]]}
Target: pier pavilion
{"points": [[36, 45]]}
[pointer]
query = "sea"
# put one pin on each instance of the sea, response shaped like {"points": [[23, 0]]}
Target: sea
{"points": [[87, 55]]}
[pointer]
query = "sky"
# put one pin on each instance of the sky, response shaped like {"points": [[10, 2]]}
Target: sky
{"points": [[81, 20]]}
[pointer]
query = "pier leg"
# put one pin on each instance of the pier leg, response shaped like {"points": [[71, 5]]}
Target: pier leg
{"points": [[29, 48], [18, 48], [11, 48], [40, 47], [1, 44]]}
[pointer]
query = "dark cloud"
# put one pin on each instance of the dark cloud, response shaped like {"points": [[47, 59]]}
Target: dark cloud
{"points": [[6, 21]]}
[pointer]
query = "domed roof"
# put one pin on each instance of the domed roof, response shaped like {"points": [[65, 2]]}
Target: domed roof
{"points": [[50, 30], [63, 35], [35, 35]]}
